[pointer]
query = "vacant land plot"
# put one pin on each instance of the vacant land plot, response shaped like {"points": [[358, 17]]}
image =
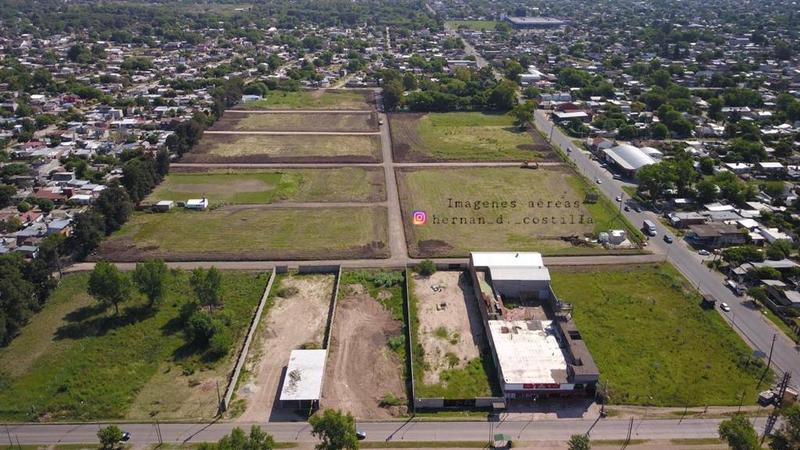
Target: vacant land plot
{"points": [[305, 121], [251, 232], [468, 136], [348, 184], [78, 361], [366, 362], [497, 209], [298, 314], [475, 25], [449, 338], [255, 148], [652, 341], [319, 99]]}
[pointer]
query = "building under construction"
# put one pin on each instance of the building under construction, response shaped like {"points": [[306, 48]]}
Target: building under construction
{"points": [[536, 347]]}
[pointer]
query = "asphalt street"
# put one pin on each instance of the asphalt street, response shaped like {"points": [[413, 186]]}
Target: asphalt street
{"points": [[757, 331], [412, 430]]}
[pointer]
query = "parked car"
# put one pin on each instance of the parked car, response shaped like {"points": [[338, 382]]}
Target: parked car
{"points": [[637, 208], [126, 436], [616, 176], [627, 208], [724, 307], [598, 181], [703, 252], [361, 435], [668, 239], [618, 198]]}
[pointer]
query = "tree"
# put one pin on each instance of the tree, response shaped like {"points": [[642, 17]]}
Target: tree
{"points": [[656, 178], [335, 429], [238, 440], [207, 285], [579, 442], [87, 232], [115, 206], [426, 268], [706, 191], [149, 277], [108, 285], [739, 433], [503, 96], [779, 249], [788, 436], [523, 113], [162, 162], [17, 299], [392, 94], [6, 193], [109, 437], [659, 131]]}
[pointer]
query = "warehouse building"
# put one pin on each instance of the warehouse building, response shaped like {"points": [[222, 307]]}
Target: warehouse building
{"points": [[533, 23], [627, 159]]}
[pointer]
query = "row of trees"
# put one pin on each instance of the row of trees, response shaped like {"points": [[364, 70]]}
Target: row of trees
{"points": [[738, 432]]}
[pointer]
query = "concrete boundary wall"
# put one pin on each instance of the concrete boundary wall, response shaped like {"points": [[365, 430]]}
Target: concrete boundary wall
{"points": [[332, 311], [246, 346], [409, 339]]}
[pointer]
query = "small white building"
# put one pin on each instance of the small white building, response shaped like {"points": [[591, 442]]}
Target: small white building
{"points": [[302, 385], [197, 203]]}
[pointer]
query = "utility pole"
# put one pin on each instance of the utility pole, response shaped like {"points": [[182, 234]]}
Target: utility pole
{"points": [[8, 433], [771, 347], [773, 417]]}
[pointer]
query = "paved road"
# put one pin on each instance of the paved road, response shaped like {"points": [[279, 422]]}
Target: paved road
{"points": [[750, 324], [537, 430]]}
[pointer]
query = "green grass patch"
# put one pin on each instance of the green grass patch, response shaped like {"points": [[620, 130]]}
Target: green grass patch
{"points": [[653, 343], [474, 25], [296, 185], [76, 361], [619, 442], [466, 211], [320, 99], [255, 148], [696, 441], [606, 214], [472, 136], [235, 232]]}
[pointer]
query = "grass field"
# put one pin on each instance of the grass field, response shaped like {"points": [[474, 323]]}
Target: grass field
{"points": [[318, 99], [475, 25], [76, 361], [286, 121], [469, 136], [651, 339], [252, 232], [436, 192], [276, 148], [348, 184]]}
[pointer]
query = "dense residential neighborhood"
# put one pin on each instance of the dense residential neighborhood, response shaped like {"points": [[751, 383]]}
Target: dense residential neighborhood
{"points": [[430, 223]]}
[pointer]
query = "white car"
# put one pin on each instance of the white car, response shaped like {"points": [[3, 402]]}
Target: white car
{"points": [[724, 307], [703, 252], [618, 198], [598, 181]]}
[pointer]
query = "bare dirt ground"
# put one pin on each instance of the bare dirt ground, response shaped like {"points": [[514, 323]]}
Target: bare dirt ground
{"points": [[361, 367], [303, 121], [291, 322], [449, 322]]}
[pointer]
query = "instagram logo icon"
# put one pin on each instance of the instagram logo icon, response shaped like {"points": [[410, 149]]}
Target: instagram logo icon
{"points": [[419, 218]]}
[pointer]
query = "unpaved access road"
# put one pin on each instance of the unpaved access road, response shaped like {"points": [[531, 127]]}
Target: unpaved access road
{"points": [[291, 322], [361, 368]]}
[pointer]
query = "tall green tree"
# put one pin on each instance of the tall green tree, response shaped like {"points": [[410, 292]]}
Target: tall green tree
{"points": [[335, 429], [238, 440], [115, 206], [788, 435], [207, 286], [109, 437], [739, 433], [108, 285], [150, 278]]}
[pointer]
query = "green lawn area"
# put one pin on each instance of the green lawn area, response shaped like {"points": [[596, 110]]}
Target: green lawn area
{"points": [[471, 136], [77, 361], [535, 227], [268, 148], [475, 25], [650, 338], [301, 121], [252, 232], [317, 99], [346, 184]]}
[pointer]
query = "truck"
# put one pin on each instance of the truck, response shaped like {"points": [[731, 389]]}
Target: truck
{"points": [[649, 227]]}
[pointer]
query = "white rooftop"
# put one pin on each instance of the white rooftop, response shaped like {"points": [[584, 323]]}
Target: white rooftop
{"points": [[528, 352], [507, 259], [304, 374]]}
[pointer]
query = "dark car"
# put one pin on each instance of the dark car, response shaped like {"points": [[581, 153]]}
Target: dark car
{"points": [[126, 436], [668, 239], [361, 435], [637, 208]]}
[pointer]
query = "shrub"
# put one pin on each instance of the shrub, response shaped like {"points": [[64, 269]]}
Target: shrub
{"points": [[397, 343], [200, 328], [286, 292], [391, 400], [426, 268], [220, 343], [441, 332]]}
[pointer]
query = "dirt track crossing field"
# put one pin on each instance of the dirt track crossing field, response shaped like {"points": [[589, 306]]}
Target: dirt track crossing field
{"points": [[361, 367], [292, 321]]}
